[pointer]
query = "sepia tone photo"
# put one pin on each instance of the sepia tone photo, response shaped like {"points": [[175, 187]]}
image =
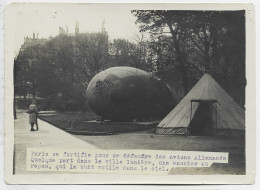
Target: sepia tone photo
{"points": [[162, 88]]}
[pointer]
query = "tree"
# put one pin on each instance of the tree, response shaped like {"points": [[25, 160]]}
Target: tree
{"points": [[219, 36], [25, 71], [61, 69], [172, 23], [102, 90], [91, 54], [133, 53], [122, 53], [186, 43]]}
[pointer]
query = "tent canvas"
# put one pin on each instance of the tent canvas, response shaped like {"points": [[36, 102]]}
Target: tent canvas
{"points": [[205, 110]]}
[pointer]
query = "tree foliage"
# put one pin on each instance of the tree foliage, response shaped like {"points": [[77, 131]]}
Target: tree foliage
{"points": [[125, 53], [60, 70], [186, 43]]}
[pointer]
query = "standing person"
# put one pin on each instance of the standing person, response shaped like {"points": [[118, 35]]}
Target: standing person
{"points": [[33, 114]]}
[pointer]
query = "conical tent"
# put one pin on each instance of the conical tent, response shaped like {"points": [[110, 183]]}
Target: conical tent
{"points": [[206, 109]]}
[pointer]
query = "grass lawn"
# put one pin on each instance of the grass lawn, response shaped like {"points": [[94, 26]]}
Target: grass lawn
{"points": [[65, 120], [78, 123]]}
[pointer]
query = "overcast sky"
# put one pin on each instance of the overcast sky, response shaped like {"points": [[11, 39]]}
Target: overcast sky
{"points": [[46, 19]]}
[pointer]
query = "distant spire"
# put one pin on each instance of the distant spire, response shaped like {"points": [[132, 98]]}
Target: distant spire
{"points": [[103, 26], [77, 27]]}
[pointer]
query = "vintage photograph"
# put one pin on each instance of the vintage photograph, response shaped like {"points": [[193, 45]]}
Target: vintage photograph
{"points": [[118, 77]]}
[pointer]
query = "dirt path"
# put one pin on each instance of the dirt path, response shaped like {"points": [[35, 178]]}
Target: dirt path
{"points": [[47, 136]]}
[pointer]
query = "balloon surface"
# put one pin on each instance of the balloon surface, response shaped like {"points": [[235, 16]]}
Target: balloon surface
{"points": [[127, 94]]}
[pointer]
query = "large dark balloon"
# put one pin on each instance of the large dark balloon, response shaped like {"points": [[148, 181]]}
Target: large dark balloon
{"points": [[127, 93]]}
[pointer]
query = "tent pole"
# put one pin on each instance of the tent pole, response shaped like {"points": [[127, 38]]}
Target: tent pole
{"points": [[190, 111], [216, 118], [190, 115]]}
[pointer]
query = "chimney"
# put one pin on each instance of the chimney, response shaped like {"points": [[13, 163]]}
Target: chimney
{"points": [[77, 28]]}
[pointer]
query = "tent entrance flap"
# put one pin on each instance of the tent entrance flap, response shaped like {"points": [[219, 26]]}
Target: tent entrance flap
{"points": [[203, 123]]}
